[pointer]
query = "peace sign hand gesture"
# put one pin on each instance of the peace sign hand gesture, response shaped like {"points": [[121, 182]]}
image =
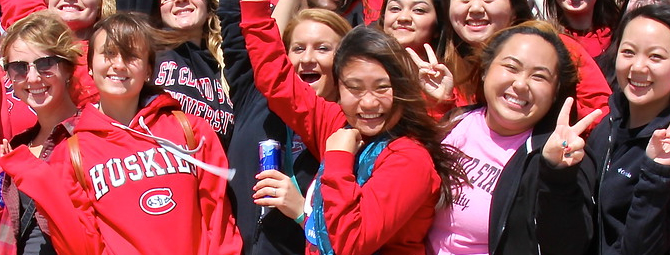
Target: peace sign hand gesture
{"points": [[437, 80], [658, 148], [565, 147]]}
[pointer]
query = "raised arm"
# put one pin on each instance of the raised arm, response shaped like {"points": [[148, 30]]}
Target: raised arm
{"points": [[293, 100]]}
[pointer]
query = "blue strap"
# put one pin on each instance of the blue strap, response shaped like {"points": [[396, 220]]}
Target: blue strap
{"points": [[288, 158], [363, 170]]}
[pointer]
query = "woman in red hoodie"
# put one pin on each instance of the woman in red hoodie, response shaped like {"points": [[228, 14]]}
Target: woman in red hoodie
{"points": [[366, 198], [132, 180]]}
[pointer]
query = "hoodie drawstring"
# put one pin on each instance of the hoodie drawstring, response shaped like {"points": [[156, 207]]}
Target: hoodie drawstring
{"points": [[180, 152]]}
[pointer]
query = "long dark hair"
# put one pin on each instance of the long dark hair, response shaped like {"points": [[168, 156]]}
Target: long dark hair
{"points": [[607, 61], [439, 41], [371, 43], [605, 14]]}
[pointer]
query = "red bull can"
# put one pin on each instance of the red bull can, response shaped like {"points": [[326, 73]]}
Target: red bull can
{"points": [[270, 155]]}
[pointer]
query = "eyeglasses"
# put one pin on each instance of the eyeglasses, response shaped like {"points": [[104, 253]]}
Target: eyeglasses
{"points": [[46, 66]]}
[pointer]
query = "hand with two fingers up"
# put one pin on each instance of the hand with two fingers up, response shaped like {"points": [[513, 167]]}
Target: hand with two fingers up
{"points": [[437, 80], [565, 146]]}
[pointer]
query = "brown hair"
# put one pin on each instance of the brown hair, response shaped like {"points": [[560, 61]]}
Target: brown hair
{"points": [[567, 71], [129, 33], [459, 57]]}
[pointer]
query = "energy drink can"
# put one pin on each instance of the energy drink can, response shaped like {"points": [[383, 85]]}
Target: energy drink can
{"points": [[270, 155], [269, 152]]}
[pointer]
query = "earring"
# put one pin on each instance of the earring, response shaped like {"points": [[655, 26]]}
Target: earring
{"points": [[90, 72], [148, 79]]}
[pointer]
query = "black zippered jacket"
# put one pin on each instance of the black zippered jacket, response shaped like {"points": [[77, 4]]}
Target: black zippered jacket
{"points": [[538, 209], [274, 233], [634, 191]]}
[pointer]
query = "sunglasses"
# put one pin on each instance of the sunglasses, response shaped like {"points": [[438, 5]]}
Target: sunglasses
{"points": [[45, 66]]}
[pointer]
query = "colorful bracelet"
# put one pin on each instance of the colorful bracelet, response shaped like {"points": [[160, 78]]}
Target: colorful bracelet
{"points": [[300, 218]]}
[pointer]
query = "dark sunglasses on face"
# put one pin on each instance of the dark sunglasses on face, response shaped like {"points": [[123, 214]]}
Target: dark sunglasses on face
{"points": [[45, 66]]}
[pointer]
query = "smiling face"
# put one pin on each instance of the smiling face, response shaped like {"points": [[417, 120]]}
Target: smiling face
{"points": [[520, 84], [117, 77], [38, 91], [642, 65], [311, 51], [476, 20], [78, 14], [366, 96], [411, 22], [184, 15]]}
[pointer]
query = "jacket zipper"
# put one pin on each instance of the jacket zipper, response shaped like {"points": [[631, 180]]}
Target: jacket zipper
{"points": [[605, 169]]}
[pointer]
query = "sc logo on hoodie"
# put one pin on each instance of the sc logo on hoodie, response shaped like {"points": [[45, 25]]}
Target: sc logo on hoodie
{"points": [[157, 201]]}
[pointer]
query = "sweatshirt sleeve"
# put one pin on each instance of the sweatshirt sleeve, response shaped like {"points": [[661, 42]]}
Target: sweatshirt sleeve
{"points": [[361, 219], [293, 100], [592, 89], [58, 197], [565, 207], [220, 232], [647, 222], [13, 10]]}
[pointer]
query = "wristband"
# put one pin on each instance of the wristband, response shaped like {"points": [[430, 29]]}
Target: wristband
{"points": [[300, 218]]}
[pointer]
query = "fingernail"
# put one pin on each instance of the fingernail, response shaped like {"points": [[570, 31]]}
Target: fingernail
{"points": [[567, 155], [565, 144]]}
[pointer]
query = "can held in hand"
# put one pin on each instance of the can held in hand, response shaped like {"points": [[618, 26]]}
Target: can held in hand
{"points": [[270, 155]]}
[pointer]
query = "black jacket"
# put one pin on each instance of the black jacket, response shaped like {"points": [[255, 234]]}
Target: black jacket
{"points": [[634, 191], [254, 122], [193, 76], [537, 208]]}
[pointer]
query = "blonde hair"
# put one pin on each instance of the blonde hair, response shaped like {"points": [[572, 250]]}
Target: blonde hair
{"points": [[329, 18], [107, 8], [46, 31], [212, 36]]}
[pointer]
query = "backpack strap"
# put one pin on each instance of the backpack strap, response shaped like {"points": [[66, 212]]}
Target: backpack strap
{"points": [[75, 153], [75, 157], [188, 131]]}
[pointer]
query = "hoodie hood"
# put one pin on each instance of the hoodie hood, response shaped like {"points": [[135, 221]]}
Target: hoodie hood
{"points": [[150, 109]]}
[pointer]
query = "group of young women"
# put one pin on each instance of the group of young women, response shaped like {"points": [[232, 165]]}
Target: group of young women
{"points": [[456, 127]]}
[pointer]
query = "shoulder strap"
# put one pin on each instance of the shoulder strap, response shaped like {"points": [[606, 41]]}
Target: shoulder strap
{"points": [[188, 131], [75, 157], [75, 153]]}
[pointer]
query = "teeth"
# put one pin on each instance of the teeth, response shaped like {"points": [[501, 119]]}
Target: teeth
{"points": [[516, 100], [183, 11], [70, 8], [38, 91], [477, 23], [370, 116], [640, 84], [118, 78]]}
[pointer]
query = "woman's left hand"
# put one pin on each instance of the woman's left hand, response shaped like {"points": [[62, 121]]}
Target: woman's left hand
{"points": [[565, 147], [658, 148], [437, 80], [276, 189]]}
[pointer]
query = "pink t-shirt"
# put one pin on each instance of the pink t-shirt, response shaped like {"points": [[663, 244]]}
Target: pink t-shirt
{"points": [[463, 229]]}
